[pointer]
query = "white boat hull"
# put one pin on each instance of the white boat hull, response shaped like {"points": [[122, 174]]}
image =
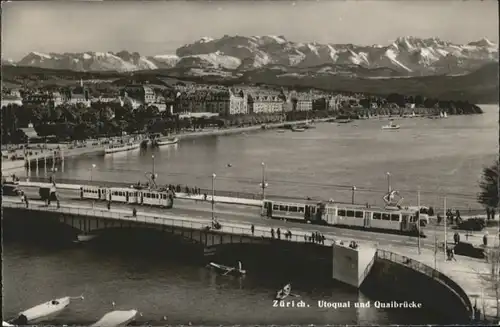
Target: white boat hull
{"points": [[116, 318], [167, 142], [85, 237], [45, 311], [122, 149]]}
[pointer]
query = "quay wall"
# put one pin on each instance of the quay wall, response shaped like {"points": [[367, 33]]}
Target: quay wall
{"points": [[397, 278]]}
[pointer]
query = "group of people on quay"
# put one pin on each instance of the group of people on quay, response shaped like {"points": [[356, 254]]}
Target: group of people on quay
{"points": [[277, 234], [315, 237]]}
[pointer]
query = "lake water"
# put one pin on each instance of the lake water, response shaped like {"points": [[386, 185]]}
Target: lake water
{"points": [[444, 156]]}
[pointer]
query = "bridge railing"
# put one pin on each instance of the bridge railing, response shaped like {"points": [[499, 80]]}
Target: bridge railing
{"points": [[429, 271], [242, 229]]}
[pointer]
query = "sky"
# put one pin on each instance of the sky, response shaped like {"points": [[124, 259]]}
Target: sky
{"points": [[160, 27]]}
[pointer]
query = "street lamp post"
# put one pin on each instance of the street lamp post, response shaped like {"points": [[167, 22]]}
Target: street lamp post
{"points": [[263, 184], [353, 191], [213, 197], [153, 172], [418, 220], [92, 171]]}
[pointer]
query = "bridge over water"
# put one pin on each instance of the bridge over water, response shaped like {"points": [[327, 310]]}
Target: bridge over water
{"points": [[349, 266]]}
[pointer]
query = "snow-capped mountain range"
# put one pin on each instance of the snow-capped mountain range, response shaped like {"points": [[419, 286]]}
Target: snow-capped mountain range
{"points": [[406, 56]]}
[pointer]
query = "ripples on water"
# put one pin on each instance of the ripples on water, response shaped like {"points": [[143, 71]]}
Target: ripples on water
{"points": [[440, 156]]}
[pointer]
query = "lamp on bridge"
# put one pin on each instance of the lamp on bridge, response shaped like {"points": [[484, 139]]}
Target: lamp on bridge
{"points": [[353, 191], [213, 196], [263, 184], [388, 182], [153, 170], [92, 171]]}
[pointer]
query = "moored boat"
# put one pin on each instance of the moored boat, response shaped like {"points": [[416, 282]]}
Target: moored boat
{"points": [[226, 270], [391, 126], [85, 237], [284, 292], [116, 318], [43, 311], [113, 148], [169, 141], [298, 129]]}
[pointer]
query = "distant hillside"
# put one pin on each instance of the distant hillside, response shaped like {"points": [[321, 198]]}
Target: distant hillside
{"points": [[480, 86]]}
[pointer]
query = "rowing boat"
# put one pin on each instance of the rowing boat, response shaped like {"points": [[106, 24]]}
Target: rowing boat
{"points": [[116, 318], [226, 270], [284, 292], [44, 311], [169, 141]]}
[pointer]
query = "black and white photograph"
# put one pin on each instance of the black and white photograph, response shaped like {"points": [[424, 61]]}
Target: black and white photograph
{"points": [[247, 163]]}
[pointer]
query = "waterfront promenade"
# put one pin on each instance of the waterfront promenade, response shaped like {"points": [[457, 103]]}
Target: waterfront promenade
{"points": [[466, 272], [96, 147]]}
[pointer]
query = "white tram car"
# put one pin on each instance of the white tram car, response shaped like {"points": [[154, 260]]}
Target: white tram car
{"points": [[397, 219], [128, 195]]}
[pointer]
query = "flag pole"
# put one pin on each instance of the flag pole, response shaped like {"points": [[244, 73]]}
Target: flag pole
{"points": [[445, 222]]}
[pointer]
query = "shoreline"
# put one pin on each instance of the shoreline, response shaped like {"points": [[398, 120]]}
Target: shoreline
{"points": [[9, 166]]}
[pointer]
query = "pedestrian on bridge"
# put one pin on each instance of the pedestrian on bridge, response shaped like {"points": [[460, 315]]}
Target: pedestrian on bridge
{"points": [[456, 238], [26, 201], [253, 229], [272, 232], [485, 240], [278, 233], [134, 212], [109, 205]]}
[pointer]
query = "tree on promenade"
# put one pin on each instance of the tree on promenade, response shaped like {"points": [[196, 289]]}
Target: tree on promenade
{"points": [[488, 184]]}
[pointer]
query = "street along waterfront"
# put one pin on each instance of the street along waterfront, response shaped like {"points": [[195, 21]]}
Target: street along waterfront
{"points": [[441, 156]]}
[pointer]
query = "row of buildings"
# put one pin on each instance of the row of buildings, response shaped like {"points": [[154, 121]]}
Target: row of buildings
{"points": [[219, 100]]}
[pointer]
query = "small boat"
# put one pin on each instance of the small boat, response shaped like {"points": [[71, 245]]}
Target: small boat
{"points": [[225, 270], [344, 120], [284, 292], [43, 311], [168, 141], [116, 318], [391, 126], [85, 237], [298, 129], [113, 148]]}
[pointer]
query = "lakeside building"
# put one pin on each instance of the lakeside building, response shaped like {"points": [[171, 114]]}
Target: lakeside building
{"points": [[11, 99], [266, 102], [39, 99], [143, 94], [78, 95]]}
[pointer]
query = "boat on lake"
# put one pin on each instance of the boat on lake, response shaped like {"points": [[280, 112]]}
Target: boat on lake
{"points": [[113, 148], [298, 129], [116, 318], [44, 311], [391, 126], [226, 270], [284, 292], [168, 141]]}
